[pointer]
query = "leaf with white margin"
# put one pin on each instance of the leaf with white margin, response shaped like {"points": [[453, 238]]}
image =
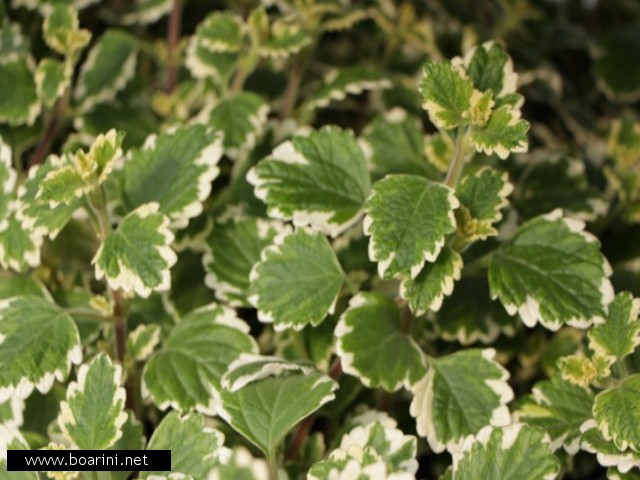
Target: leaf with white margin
{"points": [[435, 281], [53, 77], [232, 249], [241, 118], [239, 464], [61, 30], [194, 447], [19, 102], [616, 474], [469, 315], [514, 452], [369, 444], [263, 410], [346, 81], [408, 218], [620, 335], [551, 271], [319, 180], [185, 372], [19, 248], [11, 439], [11, 412], [32, 327], [132, 439], [39, 216], [110, 65], [395, 143], [446, 93], [249, 367], [461, 393], [93, 413], [61, 186], [559, 407], [606, 452], [286, 38], [8, 177], [136, 256], [504, 133], [144, 12], [142, 341], [484, 194], [373, 347], [297, 281], [617, 413], [174, 169]]}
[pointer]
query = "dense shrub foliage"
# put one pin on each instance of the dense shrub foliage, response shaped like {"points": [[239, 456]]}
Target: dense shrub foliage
{"points": [[322, 239]]}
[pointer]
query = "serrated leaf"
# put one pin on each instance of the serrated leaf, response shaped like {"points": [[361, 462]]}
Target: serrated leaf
{"points": [[19, 248], [137, 257], [93, 413], [346, 81], [185, 372], [241, 118], [142, 341], [132, 439], [515, 452], [373, 347], [249, 367], [617, 414], [607, 453], [173, 169], [560, 408], [239, 464], [503, 134], [552, 272], [263, 412], [61, 30], [61, 186], [446, 93], [53, 77], [286, 38], [319, 180], [368, 446], [32, 327], [297, 281], [484, 194], [434, 282], [491, 68], [11, 439], [19, 102], [194, 447], [407, 219], [395, 143], [233, 248], [12, 412], [13, 43], [620, 335], [461, 393], [108, 68]]}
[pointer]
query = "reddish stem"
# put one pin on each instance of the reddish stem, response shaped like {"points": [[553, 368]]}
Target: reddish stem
{"points": [[173, 36]]}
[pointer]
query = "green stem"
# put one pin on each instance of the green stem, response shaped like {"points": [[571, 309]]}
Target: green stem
{"points": [[173, 37], [458, 160], [478, 264], [621, 369], [273, 466]]}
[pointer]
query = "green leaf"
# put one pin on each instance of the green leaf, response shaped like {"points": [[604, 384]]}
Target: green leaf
{"points": [[32, 327], [263, 412], [53, 77], [61, 186], [19, 103], [297, 281], [373, 450], [552, 272], [186, 372], [132, 439], [607, 453], [144, 12], [8, 177], [620, 335], [233, 248], [373, 347], [239, 464], [241, 118], [461, 393], [319, 180], [435, 281], [446, 93], [504, 133], [395, 143], [110, 65], [515, 452], [12, 412], [61, 30], [491, 68], [11, 439], [19, 247], [346, 81], [560, 408], [617, 414], [615, 67], [194, 447], [286, 38], [174, 169], [249, 367], [137, 257], [142, 341], [484, 194], [93, 414], [407, 219]]}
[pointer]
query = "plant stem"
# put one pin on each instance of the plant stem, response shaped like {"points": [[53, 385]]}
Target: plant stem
{"points": [[300, 435], [407, 318], [50, 130], [273, 466], [621, 369], [293, 86], [457, 162], [173, 37]]}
